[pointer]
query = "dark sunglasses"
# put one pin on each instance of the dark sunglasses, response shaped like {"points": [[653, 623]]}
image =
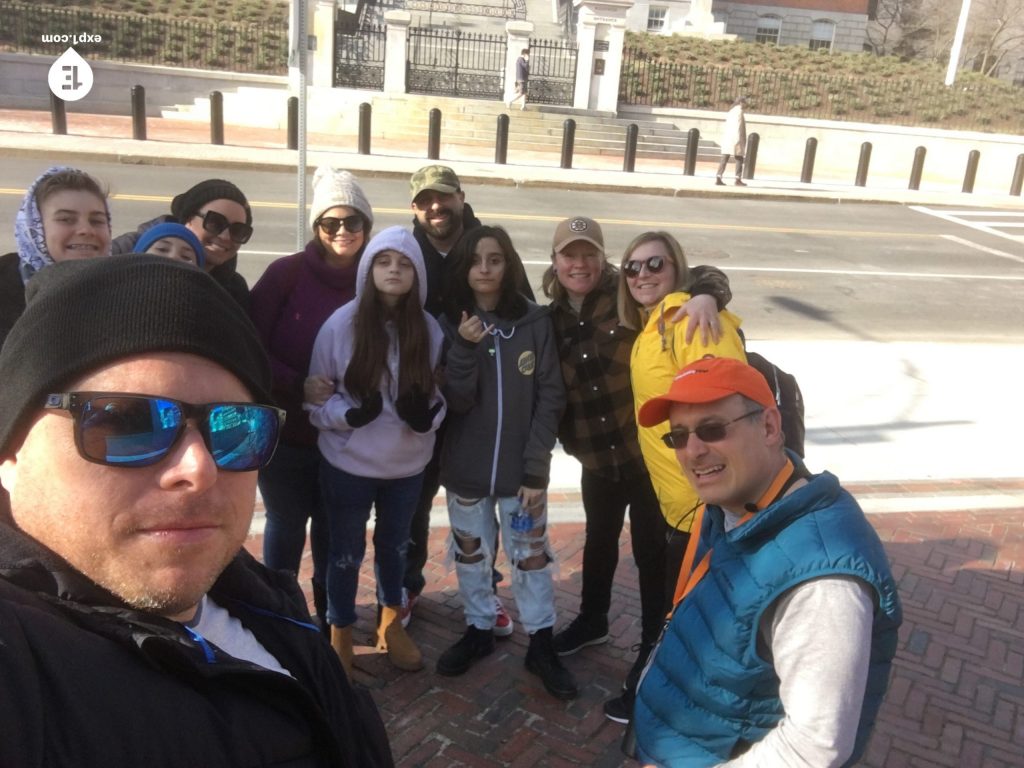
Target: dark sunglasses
{"points": [[654, 265], [712, 432], [331, 224], [128, 430], [215, 223]]}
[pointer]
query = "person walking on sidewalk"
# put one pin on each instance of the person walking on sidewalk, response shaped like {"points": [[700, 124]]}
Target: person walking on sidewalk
{"points": [[382, 352], [522, 79], [288, 306], [441, 218], [779, 648], [134, 413], [734, 141], [599, 430], [505, 394]]}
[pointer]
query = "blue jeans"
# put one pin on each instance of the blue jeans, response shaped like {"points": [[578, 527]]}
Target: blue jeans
{"points": [[534, 590], [348, 500], [290, 487]]}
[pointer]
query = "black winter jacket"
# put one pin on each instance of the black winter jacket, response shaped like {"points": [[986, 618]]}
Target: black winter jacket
{"points": [[87, 681], [12, 294]]}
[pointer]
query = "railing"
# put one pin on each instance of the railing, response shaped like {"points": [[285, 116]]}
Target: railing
{"points": [[552, 71], [359, 56], [455, 63], [237, 47], [895, 101], [507, 9]]}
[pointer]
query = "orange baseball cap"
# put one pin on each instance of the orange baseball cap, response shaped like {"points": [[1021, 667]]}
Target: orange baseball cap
{"points": [[705, 381]]}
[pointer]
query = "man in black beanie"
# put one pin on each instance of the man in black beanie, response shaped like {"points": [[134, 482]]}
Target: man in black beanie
{"points": [[218, 213], [134, 628]]}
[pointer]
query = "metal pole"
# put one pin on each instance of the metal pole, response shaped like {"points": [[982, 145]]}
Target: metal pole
{"points": [[300, 55], [501, 141], [568, 139], [917, 168], [434, 135], [810, 150], [692, 146], [629, 159], [365, 118], [958, 41], [863, 163], [972, 170], [58, 114], [138, 113], [1018, 176], [293, 122], [216, 117], [750, 161]]}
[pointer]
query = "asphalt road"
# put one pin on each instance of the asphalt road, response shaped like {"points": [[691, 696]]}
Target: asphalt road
{"points": [[799, 270]]}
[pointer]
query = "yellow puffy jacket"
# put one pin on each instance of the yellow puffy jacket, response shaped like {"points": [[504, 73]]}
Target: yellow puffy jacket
{"points": [[659, 351]]}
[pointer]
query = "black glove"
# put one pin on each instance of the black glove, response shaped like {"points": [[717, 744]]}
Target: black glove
{"points": [[414, 409], [368, 410]]}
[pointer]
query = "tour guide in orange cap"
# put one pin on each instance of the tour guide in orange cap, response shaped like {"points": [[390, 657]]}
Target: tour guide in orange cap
{"points": [[785, 624]]}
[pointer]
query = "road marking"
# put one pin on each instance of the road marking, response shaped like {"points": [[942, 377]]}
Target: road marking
{"points": [[956, 217], [984, 249]]}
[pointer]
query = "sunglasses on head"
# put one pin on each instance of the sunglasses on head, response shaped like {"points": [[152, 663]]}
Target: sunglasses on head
{"points": [[128, 430], [654, 265], [215, 223], [331, 225], [712, 432]]}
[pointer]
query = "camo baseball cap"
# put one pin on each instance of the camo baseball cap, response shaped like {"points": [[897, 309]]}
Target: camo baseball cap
{"points": [[439, 178]]}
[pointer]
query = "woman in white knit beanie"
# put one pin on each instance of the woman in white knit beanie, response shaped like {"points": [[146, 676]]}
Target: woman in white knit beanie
{"points": [[290, 302]]}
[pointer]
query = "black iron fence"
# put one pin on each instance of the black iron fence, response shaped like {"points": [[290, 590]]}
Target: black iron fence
{"points": [[236, 47], [552, 71], [896, 101], [502, 9], [358, 55], [455, 63]]}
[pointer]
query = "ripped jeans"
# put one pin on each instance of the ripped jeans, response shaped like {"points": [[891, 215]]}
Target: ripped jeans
{"points": [[471, 545]]}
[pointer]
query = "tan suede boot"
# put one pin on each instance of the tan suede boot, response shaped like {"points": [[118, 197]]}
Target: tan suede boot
{"points": [[341, 642], [393, 639]]}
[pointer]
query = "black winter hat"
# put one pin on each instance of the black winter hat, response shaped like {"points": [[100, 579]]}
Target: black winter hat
{"points": [[84, 314], [189, 202]]}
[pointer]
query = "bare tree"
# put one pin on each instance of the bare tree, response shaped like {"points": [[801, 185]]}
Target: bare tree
{"points": [[996, 30]]}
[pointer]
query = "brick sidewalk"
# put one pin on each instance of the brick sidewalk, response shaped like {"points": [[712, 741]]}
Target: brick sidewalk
{"points": [[956, 698]]}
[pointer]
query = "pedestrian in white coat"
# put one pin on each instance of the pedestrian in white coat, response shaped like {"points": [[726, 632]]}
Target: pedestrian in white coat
{"points": [[734, 139]]}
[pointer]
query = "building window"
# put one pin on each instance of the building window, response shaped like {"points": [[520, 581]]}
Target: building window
{"points": [[656, 19], [768, 30], [822, 34]]}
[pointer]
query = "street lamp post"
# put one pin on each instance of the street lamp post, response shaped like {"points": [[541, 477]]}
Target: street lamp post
{"points": [[958, 41]]}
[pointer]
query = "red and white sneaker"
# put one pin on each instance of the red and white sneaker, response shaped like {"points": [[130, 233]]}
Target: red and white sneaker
{"points": [[408, 603], [503, 624]]}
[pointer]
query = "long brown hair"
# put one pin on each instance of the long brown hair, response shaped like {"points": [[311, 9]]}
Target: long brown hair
{"points": [[367, 368], [631, 314]]}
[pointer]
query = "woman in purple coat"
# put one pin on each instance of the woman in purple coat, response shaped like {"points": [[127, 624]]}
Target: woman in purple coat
{"points": [[290, 302]]}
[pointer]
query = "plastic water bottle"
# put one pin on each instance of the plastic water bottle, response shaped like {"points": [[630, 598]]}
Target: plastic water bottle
{"points": [[521, 524]]}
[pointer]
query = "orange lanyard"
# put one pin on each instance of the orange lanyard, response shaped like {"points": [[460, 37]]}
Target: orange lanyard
{"points": [[689, 576]]}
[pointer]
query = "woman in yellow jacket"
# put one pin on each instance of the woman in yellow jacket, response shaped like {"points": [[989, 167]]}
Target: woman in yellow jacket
{"points": [[652, 288]]}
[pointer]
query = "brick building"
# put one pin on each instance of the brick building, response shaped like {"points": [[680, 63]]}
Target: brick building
{"points": [[838, 25]]}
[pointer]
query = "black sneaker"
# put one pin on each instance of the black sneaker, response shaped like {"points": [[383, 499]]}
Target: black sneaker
{"points": [[581, 632], [620, 709], [633, 677], [473, 645], [542, 661]]}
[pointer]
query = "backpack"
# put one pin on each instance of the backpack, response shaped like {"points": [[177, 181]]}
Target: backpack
{"points": [[788, 398]]}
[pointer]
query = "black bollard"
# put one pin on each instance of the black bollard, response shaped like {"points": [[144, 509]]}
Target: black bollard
{"points": [[917, 168], [810, 150], [972, 170], [753, 142], [862, 164], [629, 158], [692, 147], [568, 139], [434, 135], [138, 113], [216, 117], [58, 114], [1018, 176], [293, 122], [365, 117], [501, 141]]}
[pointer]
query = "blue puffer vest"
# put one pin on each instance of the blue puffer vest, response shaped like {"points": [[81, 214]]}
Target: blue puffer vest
{"points": [[707, 690]]}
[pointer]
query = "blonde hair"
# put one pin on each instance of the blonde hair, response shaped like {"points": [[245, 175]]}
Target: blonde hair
{"points": [[631, 314]]}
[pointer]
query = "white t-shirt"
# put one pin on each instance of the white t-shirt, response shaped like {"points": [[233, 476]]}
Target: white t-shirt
{"points": [[217, 626]]}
